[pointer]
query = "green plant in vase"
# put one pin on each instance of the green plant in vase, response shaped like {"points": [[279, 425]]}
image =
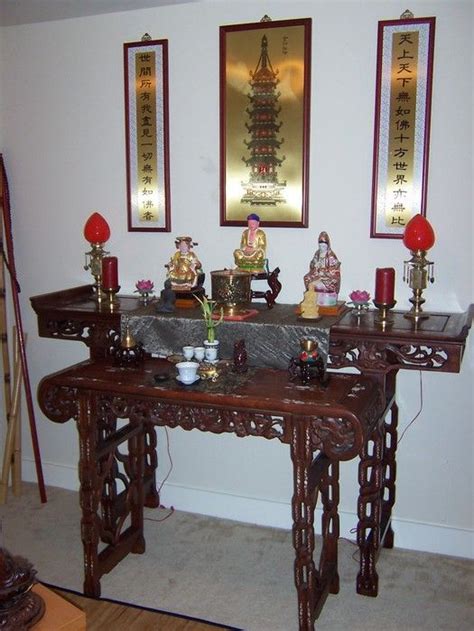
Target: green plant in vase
{"points": [[208, 309]]}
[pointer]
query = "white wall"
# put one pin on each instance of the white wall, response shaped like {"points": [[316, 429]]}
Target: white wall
{"points": [[62, 131]]}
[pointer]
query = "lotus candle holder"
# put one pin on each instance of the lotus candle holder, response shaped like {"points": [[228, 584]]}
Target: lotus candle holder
{"points": [[145, 288], [360, 301]]}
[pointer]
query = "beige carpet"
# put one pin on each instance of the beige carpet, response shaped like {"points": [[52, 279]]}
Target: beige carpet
{"points": [[237, 574]]}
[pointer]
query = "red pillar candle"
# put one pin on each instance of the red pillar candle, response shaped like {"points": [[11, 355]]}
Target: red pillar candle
{"points": [[109, 272], [384, 285]]}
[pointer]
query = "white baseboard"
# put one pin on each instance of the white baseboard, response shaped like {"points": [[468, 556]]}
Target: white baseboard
{"points": [[409, 534], [61, 475]]}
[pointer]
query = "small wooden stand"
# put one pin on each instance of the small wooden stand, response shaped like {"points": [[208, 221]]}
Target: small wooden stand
{"points": [[332, 310], [187, 299], [270, 295]]}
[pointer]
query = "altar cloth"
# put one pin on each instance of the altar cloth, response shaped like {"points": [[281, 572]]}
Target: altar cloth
{"points": [[272, 337]]}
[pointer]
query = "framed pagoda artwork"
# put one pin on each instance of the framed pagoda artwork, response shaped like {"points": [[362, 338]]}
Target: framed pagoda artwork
{"points": [[264, 122], [147, 135]]}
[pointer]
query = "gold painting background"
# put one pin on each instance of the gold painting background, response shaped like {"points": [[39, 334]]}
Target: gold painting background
{"points": [[242, 54]]}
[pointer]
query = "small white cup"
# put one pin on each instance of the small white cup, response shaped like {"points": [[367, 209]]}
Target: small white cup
{"points": [[199, 353], [187, 371], [188, 352]]}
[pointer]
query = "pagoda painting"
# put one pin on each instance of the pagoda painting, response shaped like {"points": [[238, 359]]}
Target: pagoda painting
{"points": [[263, 186], [265, 85]]}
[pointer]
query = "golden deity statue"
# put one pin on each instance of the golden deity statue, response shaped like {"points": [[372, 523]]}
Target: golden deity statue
{"points": [[309, 305], [184, 267], [251, 256]]}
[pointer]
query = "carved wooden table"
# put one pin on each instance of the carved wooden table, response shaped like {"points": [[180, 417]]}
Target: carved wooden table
{"points": [[434, 344], [115, 406]]}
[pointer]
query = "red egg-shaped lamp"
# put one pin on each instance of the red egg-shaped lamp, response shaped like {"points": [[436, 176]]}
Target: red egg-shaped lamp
{"points": [[96, 229], [419, 235]]}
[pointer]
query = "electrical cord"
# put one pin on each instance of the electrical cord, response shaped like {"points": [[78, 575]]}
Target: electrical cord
{"points": [[353, 530], [171, 508], [418, 413]]}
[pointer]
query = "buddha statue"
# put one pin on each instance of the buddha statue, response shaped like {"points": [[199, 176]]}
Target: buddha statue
{"points": [[251, 256]]}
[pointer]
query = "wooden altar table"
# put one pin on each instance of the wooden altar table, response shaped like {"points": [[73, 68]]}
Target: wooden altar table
{"points": [[380, 351], [115, 407]]}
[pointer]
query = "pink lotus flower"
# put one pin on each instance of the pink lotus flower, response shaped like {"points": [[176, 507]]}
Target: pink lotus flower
{"points": [[359, 296], [144, 286]]}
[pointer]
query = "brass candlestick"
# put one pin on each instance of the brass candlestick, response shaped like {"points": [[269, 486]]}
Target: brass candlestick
{"points": [[417, 272], [94, 264], [383, 316], [111, 293]]}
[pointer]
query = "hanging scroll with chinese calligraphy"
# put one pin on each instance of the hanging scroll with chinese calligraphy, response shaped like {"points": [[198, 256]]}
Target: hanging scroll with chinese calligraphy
{"points": [[402, 123], [146, 123]]}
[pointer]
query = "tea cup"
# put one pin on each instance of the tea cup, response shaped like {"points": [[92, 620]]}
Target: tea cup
{"points": [[199, 352], [187, 372], [188, 352]]}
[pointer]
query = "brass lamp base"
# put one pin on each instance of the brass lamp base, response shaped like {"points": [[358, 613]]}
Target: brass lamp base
{"points": [[417, 272], [416, 313]]}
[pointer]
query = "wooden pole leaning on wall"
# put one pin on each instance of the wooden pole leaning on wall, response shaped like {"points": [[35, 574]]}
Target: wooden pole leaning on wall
{"points": [[8, 260], [12, 451], [7, 398]]}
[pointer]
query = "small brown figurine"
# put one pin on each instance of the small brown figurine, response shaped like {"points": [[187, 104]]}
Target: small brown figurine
{"points": [[240, 357], [167, 301]]}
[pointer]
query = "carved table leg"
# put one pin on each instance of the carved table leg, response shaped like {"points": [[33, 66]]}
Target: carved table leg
{"points": [[312, 584], [303, 530], [89, 492], [152, 497], [369, 512], [389, 476], [330, 525], [137, 465]]}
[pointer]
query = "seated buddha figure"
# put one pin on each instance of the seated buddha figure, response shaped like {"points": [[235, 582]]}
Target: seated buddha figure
{"points": [[184, 267], [251, 256]]}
